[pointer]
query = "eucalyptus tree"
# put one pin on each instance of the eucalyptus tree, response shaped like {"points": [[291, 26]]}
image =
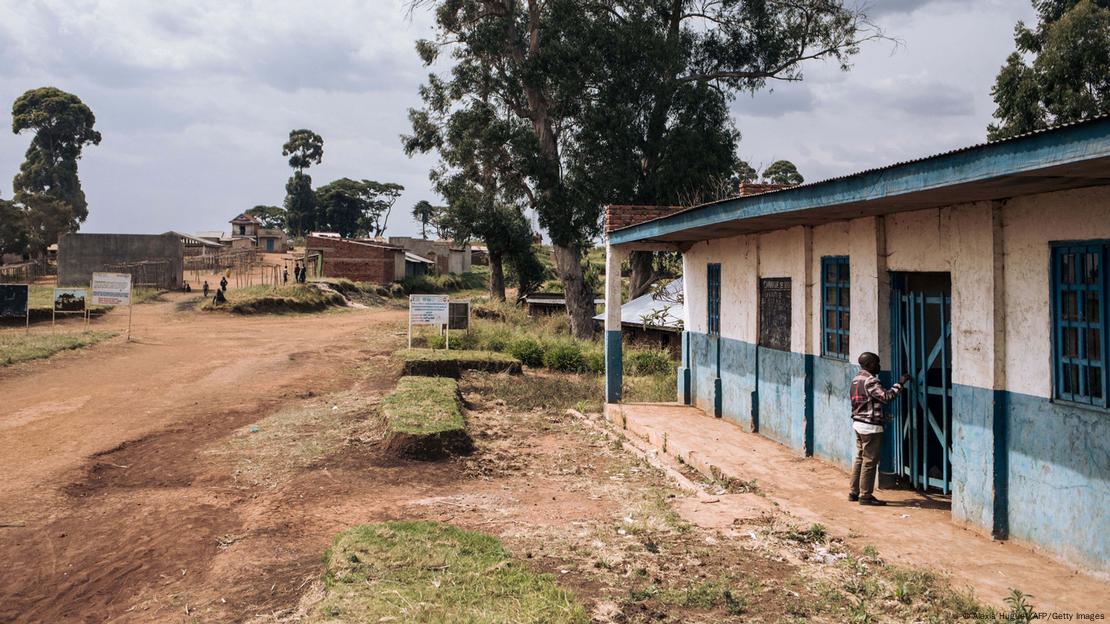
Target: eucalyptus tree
{"points": [[1060, 71], [782, 172], [304, 149], [483, 158], [581, 74], [47, 185], [425, 213]]}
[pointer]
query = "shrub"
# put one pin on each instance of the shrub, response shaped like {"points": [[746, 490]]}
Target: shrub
{"points": [[647, 362], [564, 356], [496, 339], [527, 349], [594, 359]]}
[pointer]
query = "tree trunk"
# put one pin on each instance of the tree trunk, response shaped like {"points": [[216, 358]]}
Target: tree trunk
{"points": [[496, 276], [580, 301], [642, 275]]}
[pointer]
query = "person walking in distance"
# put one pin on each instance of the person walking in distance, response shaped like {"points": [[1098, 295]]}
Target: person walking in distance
{"points": [[223, 283], [868, 399], [206, 289], [285, 276]]}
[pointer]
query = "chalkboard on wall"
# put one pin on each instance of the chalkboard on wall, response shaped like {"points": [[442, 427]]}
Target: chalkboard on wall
{"points": [[774, 313]]}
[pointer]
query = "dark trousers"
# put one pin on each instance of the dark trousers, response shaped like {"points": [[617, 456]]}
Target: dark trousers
{"points": [[868, 447]]}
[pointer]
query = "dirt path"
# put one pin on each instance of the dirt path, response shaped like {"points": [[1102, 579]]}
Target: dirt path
{"points": [[912, 529]]}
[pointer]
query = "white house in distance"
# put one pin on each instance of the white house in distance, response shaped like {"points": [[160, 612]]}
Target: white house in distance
{"points": [[981, 272], [273, 240]]}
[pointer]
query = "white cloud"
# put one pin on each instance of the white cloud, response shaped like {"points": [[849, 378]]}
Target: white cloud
{"points": [[195, 98]]}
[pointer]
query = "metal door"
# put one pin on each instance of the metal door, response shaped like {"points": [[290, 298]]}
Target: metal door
{"points": [[922, 333]]}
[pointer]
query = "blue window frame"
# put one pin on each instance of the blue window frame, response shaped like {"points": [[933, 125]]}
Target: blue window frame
{"points": [[1079, 320], [836, 317], [713, 288]]}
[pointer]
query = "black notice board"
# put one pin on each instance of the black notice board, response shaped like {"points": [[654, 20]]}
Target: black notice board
{"points": [[13, 300], [458, 315], [774, 313]]}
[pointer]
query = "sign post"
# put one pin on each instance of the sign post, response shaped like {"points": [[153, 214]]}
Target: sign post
{"points": [[113, 289], [15, 301], [428, 310], [68, 301]]}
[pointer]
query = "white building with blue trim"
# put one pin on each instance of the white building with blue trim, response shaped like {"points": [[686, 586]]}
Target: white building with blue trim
{"points": [[982, 272]]}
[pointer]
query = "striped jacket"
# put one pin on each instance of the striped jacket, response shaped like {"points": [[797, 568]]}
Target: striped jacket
{"points": [[869, 396]]}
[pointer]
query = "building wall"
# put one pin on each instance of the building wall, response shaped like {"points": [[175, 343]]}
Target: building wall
{"points": [[355, 261], [1023, 465], [80, 255]]}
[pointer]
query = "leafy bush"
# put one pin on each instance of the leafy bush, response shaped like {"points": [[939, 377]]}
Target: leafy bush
{"points": [[641, 361], [527, 349], [497, 339], [594, 359], [564, 356], [451, 282]]}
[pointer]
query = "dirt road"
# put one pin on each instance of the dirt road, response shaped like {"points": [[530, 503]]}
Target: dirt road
{"points": [[100, 445]]}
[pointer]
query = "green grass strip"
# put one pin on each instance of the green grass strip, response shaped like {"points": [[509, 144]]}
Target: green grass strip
{"points": [[18, 346], [432, 573], [424, 405]]}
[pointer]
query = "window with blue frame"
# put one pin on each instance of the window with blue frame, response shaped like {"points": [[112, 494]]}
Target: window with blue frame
{"points": [[713, 288], [1079, 318], [836, 314]]}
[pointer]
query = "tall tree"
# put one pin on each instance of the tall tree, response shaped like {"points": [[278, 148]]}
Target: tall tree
{"points": [[1069, 76], [47, 184], [304, 149], [549, 59], [356, 207], [424, 212], [782, 172], [268, 216], [480, 176], [13, 229]]}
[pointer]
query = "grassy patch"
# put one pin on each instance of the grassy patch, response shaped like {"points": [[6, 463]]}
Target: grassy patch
{"points": [[549, 392], [425, 419], [441, 363], [267, 299], [20, 346], [431, 572], [449, 283]]}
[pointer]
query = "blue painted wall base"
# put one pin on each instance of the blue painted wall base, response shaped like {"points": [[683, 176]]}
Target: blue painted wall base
{"points": [[1022, 466], [614, 366]]}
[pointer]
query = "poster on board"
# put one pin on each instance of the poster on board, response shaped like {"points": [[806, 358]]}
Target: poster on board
{"points": [[111, 289], [14, 299], [428, 309], [69, 300]]}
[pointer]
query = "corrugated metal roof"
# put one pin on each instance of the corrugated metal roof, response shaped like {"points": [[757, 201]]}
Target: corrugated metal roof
{"points": [[903, 163], [633, 312]]}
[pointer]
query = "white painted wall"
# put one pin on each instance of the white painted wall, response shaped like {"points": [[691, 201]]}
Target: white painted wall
{"points": [[1029, 224], [786, 253], [997, 255]]}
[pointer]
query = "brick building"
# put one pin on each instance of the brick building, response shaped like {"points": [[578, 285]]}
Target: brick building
{"points": [[358, 260]]}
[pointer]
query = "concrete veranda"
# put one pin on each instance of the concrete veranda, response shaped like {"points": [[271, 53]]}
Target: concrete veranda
{"points": [[913, 529]]}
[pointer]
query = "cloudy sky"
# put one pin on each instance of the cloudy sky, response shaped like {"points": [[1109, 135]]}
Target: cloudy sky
{"points": [[194, 98]]}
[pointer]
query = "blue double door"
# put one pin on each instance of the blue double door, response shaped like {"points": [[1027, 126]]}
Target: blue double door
{"points": [[921, 329]]}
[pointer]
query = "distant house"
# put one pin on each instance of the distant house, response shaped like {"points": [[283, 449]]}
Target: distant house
{"points": [[357, 260], [417, 265], [654, 320], [448, 256], [273, 240], [197, 246]]}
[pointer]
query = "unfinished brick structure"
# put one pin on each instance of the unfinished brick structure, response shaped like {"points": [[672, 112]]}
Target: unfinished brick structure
{"points": [[358, 260], [619, 216]]}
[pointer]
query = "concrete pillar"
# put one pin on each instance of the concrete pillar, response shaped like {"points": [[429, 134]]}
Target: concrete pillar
{"points": [[614, 369]]}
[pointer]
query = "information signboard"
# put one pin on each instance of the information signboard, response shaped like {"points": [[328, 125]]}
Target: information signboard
{"points": [[459, 315], [14, 299], [428, 309], [111, 289], [69, 300]]}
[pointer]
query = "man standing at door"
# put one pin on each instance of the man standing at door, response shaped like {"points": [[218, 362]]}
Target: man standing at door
{"points": [[868, 398]]}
